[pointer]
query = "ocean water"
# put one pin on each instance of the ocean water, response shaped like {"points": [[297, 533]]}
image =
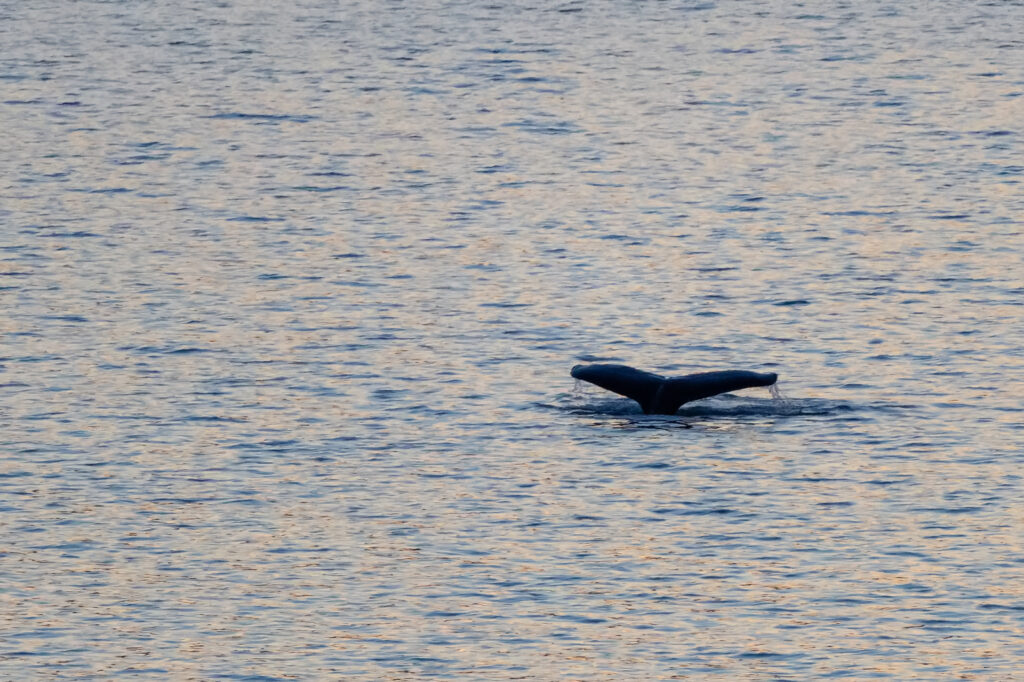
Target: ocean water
{"points": [[290, 293]]}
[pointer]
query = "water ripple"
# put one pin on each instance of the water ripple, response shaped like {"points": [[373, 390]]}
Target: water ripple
{"points": [[291, 292]]}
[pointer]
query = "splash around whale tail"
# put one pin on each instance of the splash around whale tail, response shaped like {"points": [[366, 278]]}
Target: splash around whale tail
{"points": [[664, 395]]}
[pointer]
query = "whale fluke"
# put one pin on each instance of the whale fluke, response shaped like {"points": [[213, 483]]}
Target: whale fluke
{"points": [[664, 395]]}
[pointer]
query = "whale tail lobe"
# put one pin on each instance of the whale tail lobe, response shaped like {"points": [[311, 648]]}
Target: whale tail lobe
{"points": [[661, 395], [641, 386]]}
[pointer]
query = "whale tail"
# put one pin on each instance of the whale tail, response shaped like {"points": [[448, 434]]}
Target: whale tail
{"points": [[661, 395]]}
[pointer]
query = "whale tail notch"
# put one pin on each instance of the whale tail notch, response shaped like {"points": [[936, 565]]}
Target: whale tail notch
{"points": [[661, 395]]}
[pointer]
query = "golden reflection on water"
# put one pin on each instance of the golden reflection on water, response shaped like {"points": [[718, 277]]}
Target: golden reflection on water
{"points": [[295, 402]]}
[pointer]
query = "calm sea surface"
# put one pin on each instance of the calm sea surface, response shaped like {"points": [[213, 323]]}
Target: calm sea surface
{"points": [[290, 293]]}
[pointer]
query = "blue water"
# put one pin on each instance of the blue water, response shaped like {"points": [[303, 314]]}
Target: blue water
{"points": [[291, 292]]}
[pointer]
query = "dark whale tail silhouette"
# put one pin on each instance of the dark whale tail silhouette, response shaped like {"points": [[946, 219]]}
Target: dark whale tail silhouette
{"points": [[664, 395]]}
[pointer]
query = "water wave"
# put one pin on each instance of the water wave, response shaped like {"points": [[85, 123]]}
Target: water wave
{"points": [[722, 406]]}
